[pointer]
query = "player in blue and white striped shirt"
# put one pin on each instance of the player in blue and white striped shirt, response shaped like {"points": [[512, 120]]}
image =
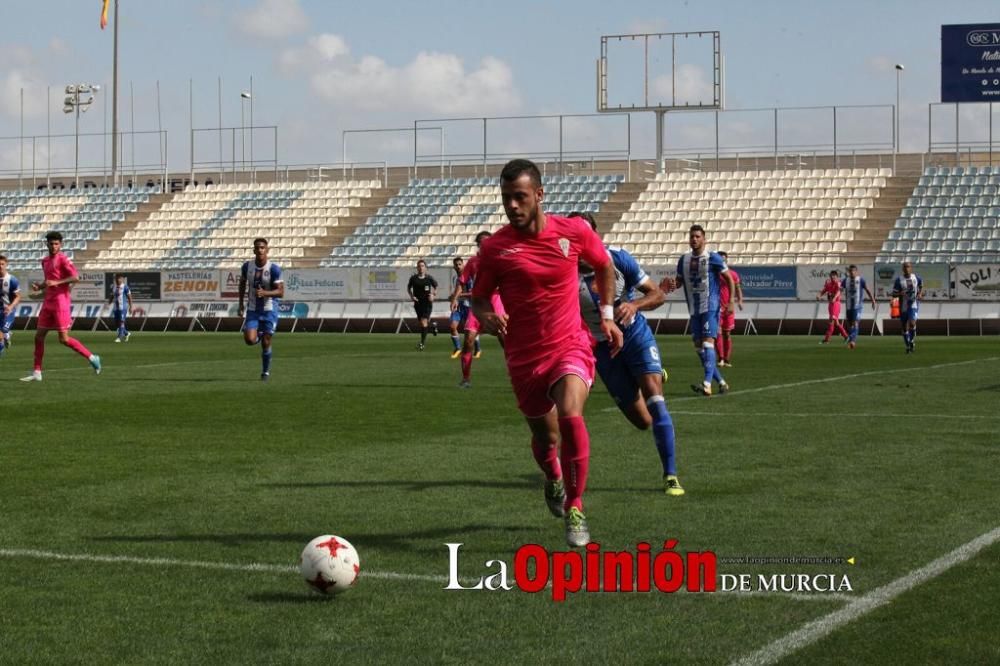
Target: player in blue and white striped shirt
{"points": [[121, 306], [634, 377], [909, 289], [700, 271], [10, 296], [263, 277], [853, 290]]}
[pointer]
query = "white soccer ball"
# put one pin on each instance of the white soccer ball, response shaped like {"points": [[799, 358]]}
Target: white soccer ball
{"points": [[330, 564]]}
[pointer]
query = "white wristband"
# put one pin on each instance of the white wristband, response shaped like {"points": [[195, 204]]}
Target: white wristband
{"points": [[608, 312]]}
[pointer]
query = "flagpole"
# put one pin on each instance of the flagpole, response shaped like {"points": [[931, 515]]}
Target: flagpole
{"points": [[114, 105]]}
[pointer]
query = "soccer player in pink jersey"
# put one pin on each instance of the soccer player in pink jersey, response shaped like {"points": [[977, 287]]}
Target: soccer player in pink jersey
{"points": [[60, 276], [727, 317], [466, 282], [831, 289], [549, 350]]}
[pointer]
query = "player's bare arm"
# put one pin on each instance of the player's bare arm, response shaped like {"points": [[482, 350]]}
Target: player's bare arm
{"points": [[455, 294], [489, 321], [652, 298], [727, 276], [243, 292], [604, 280], [739, 295]]}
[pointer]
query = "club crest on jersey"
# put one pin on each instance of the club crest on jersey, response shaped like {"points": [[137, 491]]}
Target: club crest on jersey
{"points": [[564, 246]]}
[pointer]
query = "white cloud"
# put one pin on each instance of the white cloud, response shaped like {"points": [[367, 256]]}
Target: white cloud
{"points": [[691, 86], [10, 94], [434, 82], [273, 19]]}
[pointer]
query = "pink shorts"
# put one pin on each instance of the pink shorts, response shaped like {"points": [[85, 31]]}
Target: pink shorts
{"points": [[532, 385], [834, 310], [727, 321], [54, 318], [472, 324]]}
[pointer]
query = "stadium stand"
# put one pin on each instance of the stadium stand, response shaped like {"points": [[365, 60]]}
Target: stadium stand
{"points": [[436, 219], [81, 215], [953, 215], [763, 217], [213, 226]]}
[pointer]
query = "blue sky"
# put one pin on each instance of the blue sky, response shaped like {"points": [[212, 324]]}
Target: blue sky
{"points": [[323, 67]]}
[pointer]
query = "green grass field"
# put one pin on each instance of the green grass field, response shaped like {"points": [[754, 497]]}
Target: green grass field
{"points": [[115, 488]]}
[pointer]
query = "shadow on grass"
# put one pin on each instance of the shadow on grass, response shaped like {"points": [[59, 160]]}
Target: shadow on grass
{"points": [[402, 541], [524, 481], [305, 597], [530, 482]]}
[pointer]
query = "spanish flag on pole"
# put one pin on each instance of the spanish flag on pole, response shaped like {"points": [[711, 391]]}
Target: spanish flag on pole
{"points": [[104, 14]]}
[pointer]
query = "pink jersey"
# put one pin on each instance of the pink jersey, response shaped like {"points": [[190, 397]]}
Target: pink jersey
{"points": [[58, 267], [539, 284], [724, 294], [832, 290]]}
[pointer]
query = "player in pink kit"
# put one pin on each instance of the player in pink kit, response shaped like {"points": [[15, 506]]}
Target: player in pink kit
{"points": [[549, 349], [727, 317], [466, 282], [831, 289], [60, 276]]}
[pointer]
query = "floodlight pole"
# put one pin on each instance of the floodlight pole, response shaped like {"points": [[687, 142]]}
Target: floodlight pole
{"points": [[661, 164], [114, 103]]}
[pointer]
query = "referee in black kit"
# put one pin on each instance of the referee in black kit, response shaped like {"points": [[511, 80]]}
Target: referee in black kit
{"points": [[422, 289]]}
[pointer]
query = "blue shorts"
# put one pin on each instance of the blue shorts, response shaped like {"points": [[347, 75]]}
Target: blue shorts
{"points": [[119, 315], [7, 322], [639, 356], [460, 314], [910, 314], [267, 322], [705, 325], [853, 314]]}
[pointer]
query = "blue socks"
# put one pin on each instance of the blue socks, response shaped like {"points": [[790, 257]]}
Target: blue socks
{"points": [[708, 362], [265, 360], [663, 432], [852, 336], [456, 342]]}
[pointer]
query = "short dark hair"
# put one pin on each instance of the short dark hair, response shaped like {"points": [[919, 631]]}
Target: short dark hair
{"points": [[852, 267], [696, 227], [421, 261], [456, 260], [119, 275], [3, 257], [516, 168], [53, 236], [722, 253], [260, 240], [834, 272], [483, 235], [586, 216]]}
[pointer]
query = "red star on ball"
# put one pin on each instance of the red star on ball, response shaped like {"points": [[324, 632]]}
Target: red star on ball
{"points": [[320, 583], [332, 545]]}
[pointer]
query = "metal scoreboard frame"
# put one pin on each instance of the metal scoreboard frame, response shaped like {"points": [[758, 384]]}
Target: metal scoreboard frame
{"points": [[660, 109], [602, 73]]}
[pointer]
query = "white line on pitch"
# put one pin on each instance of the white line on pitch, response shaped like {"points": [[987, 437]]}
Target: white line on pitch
{"points": [[817, 629], [914, 415], [824, 380], [289, 569], [194, 564]]}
